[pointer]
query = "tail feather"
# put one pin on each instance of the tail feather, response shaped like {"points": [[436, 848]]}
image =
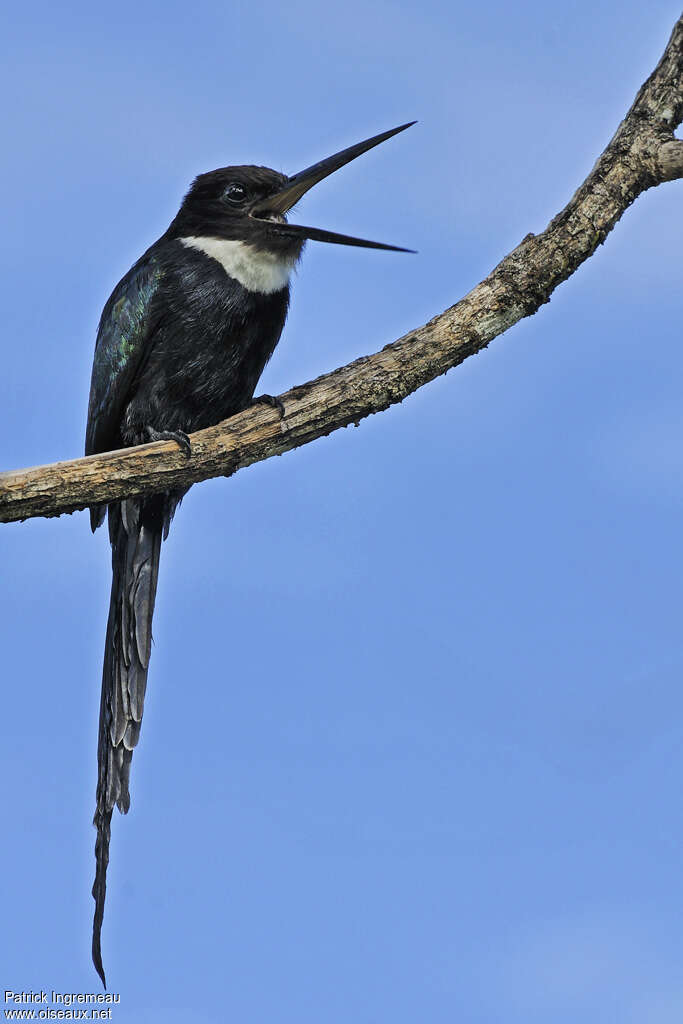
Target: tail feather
{"points": [[102, 822], [136, 527]]}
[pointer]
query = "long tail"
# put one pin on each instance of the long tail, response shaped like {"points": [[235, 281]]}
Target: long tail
{"points": [[136, 528]]}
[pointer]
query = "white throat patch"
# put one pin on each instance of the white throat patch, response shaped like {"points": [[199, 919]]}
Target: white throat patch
{"points": [[257, 271]]}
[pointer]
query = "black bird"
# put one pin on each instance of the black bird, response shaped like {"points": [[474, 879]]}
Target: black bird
{"points": [[181, 345]]}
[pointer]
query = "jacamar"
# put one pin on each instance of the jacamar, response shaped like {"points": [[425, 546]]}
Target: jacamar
{"points": [[182, 342]]}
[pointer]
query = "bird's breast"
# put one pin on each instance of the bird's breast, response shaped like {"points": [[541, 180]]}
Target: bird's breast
{"points": [[213, 340]]}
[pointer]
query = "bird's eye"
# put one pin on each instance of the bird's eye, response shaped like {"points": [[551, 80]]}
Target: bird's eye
{"points": [[235, 193]]}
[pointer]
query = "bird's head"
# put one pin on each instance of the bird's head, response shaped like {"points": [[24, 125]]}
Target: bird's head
{"points": [[249, 204]]}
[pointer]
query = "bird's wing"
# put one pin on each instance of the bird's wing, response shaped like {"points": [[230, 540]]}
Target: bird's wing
{"points": [[129, 320]]}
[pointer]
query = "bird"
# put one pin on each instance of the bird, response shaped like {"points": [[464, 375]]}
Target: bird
{"points": [[181, 344]]}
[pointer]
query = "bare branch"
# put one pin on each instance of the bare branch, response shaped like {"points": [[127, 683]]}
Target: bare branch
{"points": [[670, 158], [643, 153]]}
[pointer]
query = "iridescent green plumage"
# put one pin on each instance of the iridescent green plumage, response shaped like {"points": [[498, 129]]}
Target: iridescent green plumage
{"points": [[128, 320]]}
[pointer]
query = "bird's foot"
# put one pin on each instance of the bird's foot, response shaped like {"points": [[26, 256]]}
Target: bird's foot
{"points": [[273, 401], [179, 436]]}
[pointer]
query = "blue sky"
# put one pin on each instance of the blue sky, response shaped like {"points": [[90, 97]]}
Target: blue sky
{"points": [[412, 743]]}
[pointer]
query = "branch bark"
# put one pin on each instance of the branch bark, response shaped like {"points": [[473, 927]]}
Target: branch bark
{"points": [[643, 153]]}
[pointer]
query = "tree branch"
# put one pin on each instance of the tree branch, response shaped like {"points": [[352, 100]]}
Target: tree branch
{"points": [[643, 153]]}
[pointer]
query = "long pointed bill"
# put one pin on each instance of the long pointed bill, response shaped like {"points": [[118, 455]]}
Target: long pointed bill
{"points": [[300, 183], [320, 235]]}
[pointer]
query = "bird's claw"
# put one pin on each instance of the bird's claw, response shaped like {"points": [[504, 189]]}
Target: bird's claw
{"points": [[179, 436], [273, 401]]}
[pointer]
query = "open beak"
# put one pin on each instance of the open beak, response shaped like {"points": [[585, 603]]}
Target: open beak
{"points": [[300, 183]]}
